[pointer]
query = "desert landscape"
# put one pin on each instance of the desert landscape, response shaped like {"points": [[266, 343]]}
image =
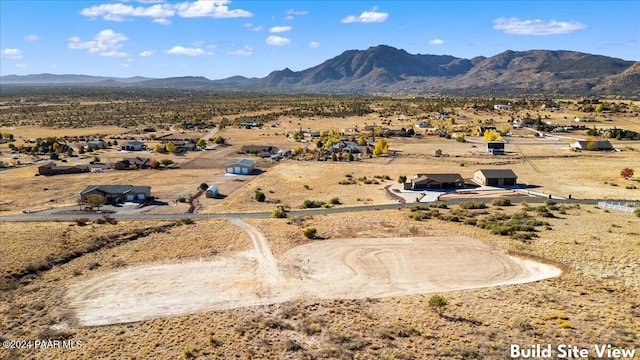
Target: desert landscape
{"points": [[321, 252]]}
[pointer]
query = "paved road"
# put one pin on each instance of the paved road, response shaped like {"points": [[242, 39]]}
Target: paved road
{"points": [[259, 215]]}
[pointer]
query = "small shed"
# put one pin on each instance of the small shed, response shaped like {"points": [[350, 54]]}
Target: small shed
{"points": [[241, 167], [212, 191], [496, 148]]}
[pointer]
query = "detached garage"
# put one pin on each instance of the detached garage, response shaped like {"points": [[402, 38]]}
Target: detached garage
{"points": [[241, 167], [497, 177]]}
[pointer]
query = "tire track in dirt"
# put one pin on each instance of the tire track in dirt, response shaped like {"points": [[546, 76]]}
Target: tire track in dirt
{"points": [[267, 264], [331, 269]]}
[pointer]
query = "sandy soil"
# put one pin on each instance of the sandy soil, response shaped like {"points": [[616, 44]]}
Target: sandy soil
{"points": [[341, 268]]}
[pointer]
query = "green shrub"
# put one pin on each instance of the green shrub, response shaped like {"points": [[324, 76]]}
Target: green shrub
{"points": [[279, 212], [310, 233], [259, 196], [81, 222], [437, 302], [501, 202], [312, 204], [335, 201], [472, 205], [637, 212]]}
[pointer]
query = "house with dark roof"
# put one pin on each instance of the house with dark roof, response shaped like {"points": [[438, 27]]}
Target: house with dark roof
{"points": [[241, 167], [117, 193], [134, 145], [260, 150], [135, 164], [95, 144], [434, 181], [50, 169], [592, 145], [495, 177]]}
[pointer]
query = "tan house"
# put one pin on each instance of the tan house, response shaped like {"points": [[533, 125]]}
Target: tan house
{"points": [[495, 177]]}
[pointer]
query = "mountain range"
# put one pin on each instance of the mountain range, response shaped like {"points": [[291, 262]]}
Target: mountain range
{"points": [[384, 69]]}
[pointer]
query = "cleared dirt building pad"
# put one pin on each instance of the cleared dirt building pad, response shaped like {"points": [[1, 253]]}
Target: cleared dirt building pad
{"points": [[341, 268]]}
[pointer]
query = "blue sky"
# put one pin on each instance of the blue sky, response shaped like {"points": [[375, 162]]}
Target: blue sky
{"points": [[218, 39]]}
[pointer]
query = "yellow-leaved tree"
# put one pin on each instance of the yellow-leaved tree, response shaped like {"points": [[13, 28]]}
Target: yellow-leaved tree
{"points": [[491, 135], [381, 147]]}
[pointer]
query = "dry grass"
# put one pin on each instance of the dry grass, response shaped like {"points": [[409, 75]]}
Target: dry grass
{"points": [[600, 286]]}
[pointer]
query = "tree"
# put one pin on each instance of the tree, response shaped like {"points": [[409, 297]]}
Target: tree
{"points": [[259, 196], [279, 212], [402, 179], [204, 186], [158, 148], [310, 233], [627, 173], [362, 141], [437, 303], [201, 143], [95, 200], [491, 135], [298, 150], [166, 162], [219, 140], [381, 148], [599, 108], [53, 156], [170, 147]]}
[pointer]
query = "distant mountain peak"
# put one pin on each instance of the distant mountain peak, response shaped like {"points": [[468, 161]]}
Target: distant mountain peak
{"points": [[383, 68]]}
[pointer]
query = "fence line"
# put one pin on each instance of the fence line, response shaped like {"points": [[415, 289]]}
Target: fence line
{"points": [[619, 206]]}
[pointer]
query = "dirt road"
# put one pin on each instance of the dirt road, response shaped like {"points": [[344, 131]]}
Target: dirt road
{"points": [[341, 268]]}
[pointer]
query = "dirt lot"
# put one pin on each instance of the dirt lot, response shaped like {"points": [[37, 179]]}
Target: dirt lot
{"points": [[341, 268]]}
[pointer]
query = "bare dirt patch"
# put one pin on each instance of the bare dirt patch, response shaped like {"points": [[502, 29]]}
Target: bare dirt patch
{"points": [[340, 268]]}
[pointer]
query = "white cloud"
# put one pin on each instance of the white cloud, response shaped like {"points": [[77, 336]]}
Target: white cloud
{"points": [[245, 51], [119, 12], [105, 43], [180, 50], [13, 54], [536, 27], [114, 54], [54, 65], [291, 12], [372, 16], [125, 65], [147, 53], [435, 42], [21, 65], [206, 8], [279, 29], [160, 13], [33, 37], [314, 44], [278, 41], [162, 21], [296, 12], [253, 28]]}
